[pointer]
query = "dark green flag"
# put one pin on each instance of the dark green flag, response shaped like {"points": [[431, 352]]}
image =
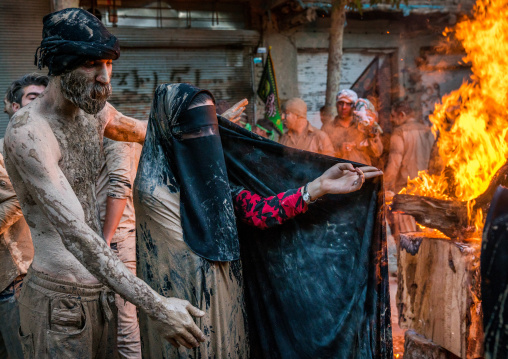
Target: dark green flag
{"points": [[267, 90]]}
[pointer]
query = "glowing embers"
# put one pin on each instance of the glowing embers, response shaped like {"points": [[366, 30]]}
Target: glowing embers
{"points": [[471, 122]]}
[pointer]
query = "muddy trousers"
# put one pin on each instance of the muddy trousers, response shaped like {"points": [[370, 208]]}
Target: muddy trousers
{"points": [[65, 319], [129, 342]]}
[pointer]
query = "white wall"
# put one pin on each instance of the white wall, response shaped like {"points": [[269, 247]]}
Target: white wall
{"points": [[312, 77]]}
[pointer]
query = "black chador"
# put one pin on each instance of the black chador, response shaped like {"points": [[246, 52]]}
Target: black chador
{"points": [[315, 286]]}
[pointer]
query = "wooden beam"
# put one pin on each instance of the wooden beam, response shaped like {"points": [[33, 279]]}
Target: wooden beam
{"points": [[450, 217]]}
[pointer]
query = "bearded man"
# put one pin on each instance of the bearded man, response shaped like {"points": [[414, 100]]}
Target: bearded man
{"points": [[52, 149]]}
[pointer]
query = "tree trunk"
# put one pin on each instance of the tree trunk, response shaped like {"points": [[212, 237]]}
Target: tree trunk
{"points": [[338, 18]]}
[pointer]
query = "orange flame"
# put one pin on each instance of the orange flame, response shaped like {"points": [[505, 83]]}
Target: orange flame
{"points": [[472, 121]]}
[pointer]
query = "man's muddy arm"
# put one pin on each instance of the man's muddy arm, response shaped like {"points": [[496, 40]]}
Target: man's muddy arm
{"points": [[234, 113], [37, 164], [123, 128], [10, 213], [118, 164]]}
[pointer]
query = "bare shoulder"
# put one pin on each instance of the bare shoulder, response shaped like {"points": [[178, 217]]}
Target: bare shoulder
{"points": [[27, 132], [119, 127]]}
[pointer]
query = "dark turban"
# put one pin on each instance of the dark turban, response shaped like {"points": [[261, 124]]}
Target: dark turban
{"points": [[71, 37]]}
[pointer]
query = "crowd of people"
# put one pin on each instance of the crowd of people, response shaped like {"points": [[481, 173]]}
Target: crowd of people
{"points": [[70, 210], [69, 203], [354, 135]]}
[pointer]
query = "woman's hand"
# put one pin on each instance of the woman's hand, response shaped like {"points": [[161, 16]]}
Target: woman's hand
{"points": [[341, 178]]}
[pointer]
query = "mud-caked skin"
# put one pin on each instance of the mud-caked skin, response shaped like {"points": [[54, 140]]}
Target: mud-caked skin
{"points": [[52, 150]]}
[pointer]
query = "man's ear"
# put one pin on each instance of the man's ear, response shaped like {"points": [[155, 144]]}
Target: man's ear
{"points": [[15, 107]]}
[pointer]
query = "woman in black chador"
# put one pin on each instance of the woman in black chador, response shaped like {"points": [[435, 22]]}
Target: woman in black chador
{"points": [[196, 201]]}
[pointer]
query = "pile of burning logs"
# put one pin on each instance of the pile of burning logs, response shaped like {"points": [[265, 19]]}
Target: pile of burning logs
{"points": [[439, 297], [449, 217]]}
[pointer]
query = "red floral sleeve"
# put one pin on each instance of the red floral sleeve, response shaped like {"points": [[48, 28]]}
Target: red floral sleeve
{"points": [[267, 212]]}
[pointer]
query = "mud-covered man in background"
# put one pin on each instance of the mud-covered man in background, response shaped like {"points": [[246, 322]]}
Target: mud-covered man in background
{"points": [[410, 147], [52, 149], [114, 194]]}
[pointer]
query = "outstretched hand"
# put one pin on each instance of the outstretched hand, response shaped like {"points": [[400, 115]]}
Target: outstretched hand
{"points": [[234, 113], [176, 325], [341, 178]]}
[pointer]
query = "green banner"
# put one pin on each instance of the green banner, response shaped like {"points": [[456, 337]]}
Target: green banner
{"points": [[267, 91]]}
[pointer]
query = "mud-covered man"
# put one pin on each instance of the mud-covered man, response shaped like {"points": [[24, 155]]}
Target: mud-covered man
{"points": [[52, 149], [410, 149], [114, 194]]}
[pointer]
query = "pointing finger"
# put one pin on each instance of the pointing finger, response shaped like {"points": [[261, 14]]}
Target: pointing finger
{"points": [[241, 103], [369, 169]]}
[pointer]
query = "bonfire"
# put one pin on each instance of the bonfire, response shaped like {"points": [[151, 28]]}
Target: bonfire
{"points": [[470, 125]]}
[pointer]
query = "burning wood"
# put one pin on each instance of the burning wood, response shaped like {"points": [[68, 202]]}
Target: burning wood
{"points": [[450, 217], [471, 123]]}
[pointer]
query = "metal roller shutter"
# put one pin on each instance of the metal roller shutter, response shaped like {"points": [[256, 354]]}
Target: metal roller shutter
{"points": [[225, 72], [20, 35]]}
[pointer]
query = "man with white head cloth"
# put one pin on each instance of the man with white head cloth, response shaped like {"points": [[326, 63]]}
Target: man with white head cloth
{"points": [[350, 143]]}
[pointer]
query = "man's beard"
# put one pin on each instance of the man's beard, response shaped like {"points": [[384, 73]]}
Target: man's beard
{"points": [[89, 96]]}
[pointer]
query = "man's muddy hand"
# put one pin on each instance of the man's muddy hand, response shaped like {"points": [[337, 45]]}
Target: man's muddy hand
{"points": [[341, 178], [234, 113], [176, 325]]}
